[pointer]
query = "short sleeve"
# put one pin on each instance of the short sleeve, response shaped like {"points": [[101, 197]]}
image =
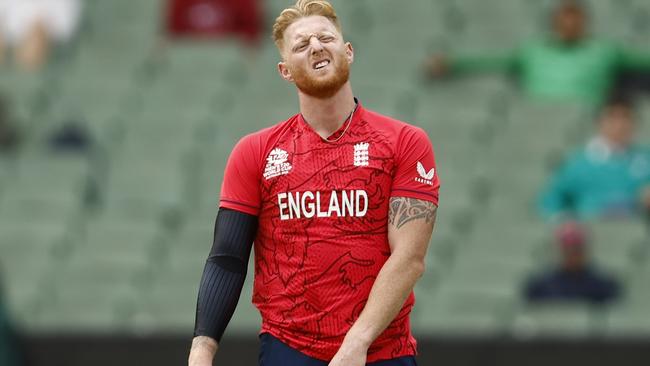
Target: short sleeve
{"points": [[240, 189], [415, 174]]}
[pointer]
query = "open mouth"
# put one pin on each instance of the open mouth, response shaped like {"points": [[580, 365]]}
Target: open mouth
{"points": [[320, 64]]}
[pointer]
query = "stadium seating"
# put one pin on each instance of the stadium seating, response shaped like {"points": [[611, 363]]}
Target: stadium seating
{"points": [[118, 236]]}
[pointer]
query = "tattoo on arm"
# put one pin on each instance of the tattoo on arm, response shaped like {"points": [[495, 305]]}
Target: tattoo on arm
{"points": [[403, 210]]}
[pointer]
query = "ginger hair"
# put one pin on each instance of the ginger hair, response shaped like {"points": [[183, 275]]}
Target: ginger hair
{"points": [[302, 9]]}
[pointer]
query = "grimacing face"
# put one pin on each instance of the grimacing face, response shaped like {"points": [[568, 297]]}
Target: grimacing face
{"points": [[315, 57]]}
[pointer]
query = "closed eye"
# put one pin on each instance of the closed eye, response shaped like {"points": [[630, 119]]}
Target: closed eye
{"points": [[300, 47]]}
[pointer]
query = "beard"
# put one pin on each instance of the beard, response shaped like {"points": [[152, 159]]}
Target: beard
{"points": [[322, 87]]}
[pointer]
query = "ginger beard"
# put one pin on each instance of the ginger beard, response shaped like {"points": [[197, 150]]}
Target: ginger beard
{"points": [[319, 86]]}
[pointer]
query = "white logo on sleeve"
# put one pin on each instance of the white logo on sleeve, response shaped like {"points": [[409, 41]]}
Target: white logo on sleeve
{"points": [[276, 164], [425, 177], [361, 154]]}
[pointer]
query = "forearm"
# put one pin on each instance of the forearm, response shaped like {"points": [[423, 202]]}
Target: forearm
{"points": [[202, 351], [222, 281], [409, 230], [392, 287], [636, 61], [218, 297]]}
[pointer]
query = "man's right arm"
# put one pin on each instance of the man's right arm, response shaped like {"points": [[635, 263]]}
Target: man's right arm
{"points": [[441, 64], [222, 281], [557, 200]]}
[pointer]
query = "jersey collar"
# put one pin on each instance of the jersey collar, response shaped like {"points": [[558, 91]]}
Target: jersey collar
{"points": [[337, 135]]}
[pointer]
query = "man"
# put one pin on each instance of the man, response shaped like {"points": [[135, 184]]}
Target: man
{"points": [[607, 178], [31, 27], [570, 65], [340, 202], [575, 279]]}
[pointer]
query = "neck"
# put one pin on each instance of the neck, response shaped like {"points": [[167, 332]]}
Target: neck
{"points": [[569, 42], [326, 116]]}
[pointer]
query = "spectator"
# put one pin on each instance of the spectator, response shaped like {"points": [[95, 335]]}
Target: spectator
{"points": [[215, 18], [609, 177], [30, 27], [575, 279], [569, 65]]}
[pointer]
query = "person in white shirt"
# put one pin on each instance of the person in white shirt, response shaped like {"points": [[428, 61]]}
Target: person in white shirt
{"points": [[30, 27]]}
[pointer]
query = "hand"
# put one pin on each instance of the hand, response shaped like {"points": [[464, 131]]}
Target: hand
{"points": [[350, 354], [437, 66], [202, 352]]}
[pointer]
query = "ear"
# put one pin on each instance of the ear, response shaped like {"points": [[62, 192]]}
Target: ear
{"points": [[349, 52], [284, 71]]}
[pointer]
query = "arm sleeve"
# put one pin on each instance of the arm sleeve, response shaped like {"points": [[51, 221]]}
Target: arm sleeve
{"points": [[224, 273], [240, 189], [634, 60], [415, 173], [557, 198]]}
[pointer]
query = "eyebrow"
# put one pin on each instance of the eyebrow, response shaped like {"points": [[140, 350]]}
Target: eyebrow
{"points": [[302, 36]]}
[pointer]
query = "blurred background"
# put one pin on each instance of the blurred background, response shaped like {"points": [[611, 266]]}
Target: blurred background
{"points": [[117, 117]]}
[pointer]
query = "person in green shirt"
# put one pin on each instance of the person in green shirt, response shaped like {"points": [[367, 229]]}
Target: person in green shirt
{"points": [[568, 65], [608, 177]]}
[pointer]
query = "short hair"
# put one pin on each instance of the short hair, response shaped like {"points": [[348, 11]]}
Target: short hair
{"points": [[573, 5], [616, 99], [302, 9], [619, 99]]}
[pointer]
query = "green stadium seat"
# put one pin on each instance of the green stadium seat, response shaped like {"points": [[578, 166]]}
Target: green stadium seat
{"points": [[630, 318], [461, 312], [26, 253], [80, 307], [120, 235], [246, 319], [204, 182], [498, 275], [144, 186], [170, 301], [561, 321], [618, 245]]}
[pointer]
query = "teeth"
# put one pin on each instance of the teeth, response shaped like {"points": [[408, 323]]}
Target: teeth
{"points": [[322, 64]]}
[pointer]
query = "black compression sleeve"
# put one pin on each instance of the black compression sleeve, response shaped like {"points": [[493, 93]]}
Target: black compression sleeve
{"points": [[224, 272]]}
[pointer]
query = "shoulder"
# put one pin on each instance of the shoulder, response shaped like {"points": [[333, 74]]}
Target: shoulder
{"points": [[597, 275], [581, 155], [602, 43]]}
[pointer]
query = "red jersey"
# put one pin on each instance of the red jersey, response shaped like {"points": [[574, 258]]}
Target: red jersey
{"points": [[323, 223]]}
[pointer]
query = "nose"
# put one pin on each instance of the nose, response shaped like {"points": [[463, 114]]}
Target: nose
{"points": [[316, 45]]}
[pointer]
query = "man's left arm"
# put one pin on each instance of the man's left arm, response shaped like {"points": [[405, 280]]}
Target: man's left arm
{"points": [[633, 60], [410, 224]]}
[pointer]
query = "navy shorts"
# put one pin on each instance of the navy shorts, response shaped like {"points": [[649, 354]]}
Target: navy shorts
{"points": [[275, 353]]}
